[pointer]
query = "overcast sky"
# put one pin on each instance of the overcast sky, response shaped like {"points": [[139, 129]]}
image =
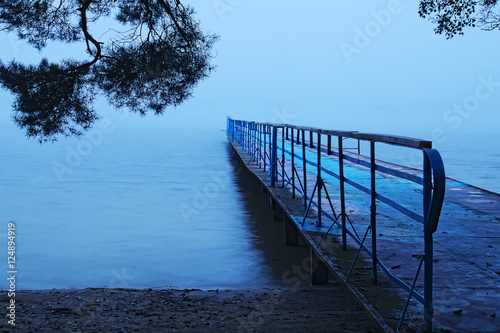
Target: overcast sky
{"points": [[372, 66]]}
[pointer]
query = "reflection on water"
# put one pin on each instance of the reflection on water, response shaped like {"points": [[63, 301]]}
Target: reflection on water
{"points": [[286, 263], [156, 210]]}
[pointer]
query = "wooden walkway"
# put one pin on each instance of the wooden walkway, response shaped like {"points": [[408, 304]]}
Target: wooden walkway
{"points": [[466, 245]]}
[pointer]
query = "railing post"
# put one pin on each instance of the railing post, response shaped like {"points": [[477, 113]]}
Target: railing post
{"points": [[433, 202], [255, 137], [428, 247], [233, 128], [250, 141], [243, 135], [238, 131], [241, 131], [319, 180], [428, 274], [329, 148], [293, 164], [245, 140], [260, 144], [249, 137], [342, 193], [254, 141], [373, 212], [311, 140], [283, 155], [274, 156], [304, 166], [270, 145], [265, 145]]}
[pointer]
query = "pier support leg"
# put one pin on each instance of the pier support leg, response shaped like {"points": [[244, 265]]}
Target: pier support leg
{"points": [[291, 233], [319, 271], [277, 211]]}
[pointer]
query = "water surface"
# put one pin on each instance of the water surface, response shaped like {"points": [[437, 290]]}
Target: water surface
{"points": [[166, 209]]}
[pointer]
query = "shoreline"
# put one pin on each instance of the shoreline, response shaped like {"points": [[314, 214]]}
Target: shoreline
{"points": [[318, 309]]}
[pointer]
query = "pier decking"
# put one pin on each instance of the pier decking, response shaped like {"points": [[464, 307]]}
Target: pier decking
{"points": [[378, 217]]}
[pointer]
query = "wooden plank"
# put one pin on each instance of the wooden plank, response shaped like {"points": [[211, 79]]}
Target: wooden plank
{"points": [[344, 134], [395, 140]]}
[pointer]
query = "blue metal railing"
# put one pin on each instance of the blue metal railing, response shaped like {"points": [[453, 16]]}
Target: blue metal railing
{"points": [[262, 142]]}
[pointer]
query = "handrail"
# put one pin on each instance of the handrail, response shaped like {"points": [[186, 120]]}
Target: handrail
{"points": [[433, 201], [391, 139], [254, 135], [436, 201]]}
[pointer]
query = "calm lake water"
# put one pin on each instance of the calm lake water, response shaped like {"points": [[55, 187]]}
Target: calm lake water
{"points": [[159, 209], [153, 209]]}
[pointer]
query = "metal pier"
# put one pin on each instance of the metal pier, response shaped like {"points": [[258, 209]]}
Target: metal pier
{"points": [[371, 224]]}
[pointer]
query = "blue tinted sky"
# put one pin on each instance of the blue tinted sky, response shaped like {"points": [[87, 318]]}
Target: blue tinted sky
{"points": [[371, 66]]}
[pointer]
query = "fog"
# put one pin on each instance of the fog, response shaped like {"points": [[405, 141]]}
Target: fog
{"points": [[374, 66]]}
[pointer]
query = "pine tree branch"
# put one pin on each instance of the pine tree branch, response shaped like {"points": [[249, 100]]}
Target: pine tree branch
{"points": [[88, 36]]}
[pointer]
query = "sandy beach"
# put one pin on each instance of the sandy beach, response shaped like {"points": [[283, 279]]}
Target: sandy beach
{"points": [[323, 309]]}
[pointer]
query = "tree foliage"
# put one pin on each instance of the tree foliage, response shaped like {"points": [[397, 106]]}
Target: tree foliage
{"points": [[451, 17], [153, 62]]}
